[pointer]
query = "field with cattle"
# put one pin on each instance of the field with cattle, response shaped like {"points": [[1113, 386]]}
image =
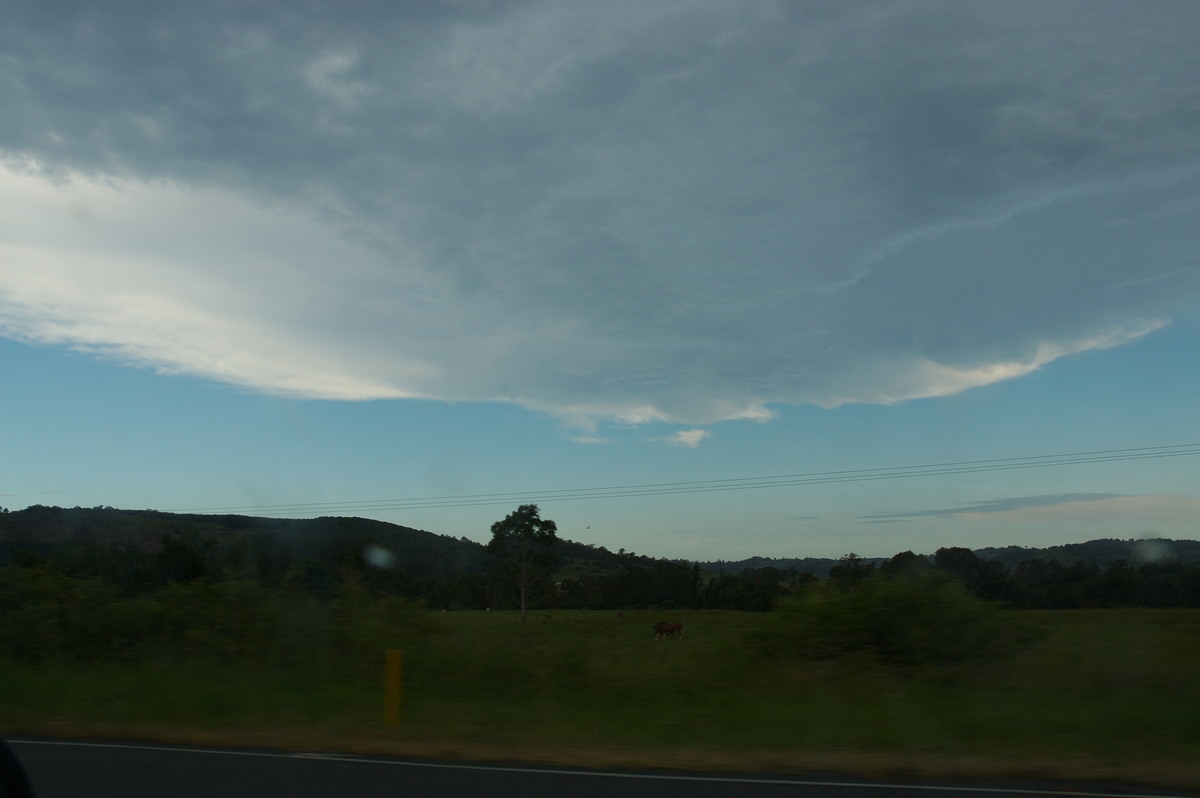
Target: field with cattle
{"points": [[1107, 694]]}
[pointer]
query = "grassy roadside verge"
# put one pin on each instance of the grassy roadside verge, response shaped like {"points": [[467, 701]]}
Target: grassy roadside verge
{"points": [[1096, 695]]}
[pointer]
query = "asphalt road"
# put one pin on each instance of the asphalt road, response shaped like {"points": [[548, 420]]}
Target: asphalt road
{"points": [[60, 769]]}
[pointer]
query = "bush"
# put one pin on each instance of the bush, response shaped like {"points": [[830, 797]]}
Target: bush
{"points": [[925, 619], [47, 616]]}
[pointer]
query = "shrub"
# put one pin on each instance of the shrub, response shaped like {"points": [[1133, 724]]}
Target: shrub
{"points": [[47, 616], [925, 619]]}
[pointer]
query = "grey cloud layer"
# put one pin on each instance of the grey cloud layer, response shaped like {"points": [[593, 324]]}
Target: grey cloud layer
{"points": [[994, 506], [684, 210]]}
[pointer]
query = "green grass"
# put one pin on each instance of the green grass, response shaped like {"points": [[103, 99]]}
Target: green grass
{"points": [[1092, 694]]}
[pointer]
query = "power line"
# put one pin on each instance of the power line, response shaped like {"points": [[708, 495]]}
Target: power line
{"points": [[720, 485]]}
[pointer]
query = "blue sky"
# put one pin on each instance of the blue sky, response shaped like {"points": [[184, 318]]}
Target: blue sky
{"points": [[334, 260]]}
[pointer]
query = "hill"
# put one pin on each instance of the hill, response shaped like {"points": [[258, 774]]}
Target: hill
{"points": [[42, 528], [141, 552], [1099, 553], [817, 566]]}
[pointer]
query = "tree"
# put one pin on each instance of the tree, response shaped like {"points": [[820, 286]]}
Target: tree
{"points": [[520, 549], [905, 565], [985, 579], [849, 571]]}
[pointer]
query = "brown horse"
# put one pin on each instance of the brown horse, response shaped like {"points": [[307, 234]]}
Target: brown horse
{"points": [[662, 630]]}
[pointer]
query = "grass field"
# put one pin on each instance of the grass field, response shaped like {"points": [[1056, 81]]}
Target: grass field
{"points": [[1090, 694]]}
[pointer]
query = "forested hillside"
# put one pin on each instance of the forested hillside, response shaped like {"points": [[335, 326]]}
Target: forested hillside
{"points": [[1100, 553], [141, 552]]}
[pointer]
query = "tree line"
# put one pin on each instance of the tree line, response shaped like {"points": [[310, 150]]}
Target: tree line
{"points": [[1039, 583], [525, 565], [142, 553]]}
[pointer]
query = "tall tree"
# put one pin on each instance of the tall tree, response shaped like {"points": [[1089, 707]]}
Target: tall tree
{"points": [[521, 551], [849, 571]]}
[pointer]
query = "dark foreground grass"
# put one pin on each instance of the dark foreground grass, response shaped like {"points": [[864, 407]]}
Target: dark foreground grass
{"points": [[1101, 694]]}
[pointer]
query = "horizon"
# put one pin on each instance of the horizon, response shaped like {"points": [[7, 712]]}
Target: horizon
{"points": [[426, 262], [1145, 557]]}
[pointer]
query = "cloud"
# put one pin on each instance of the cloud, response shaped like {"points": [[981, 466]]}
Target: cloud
{"points": [[195, 282], [679, 212], [1090, 508], [688, 438], [994, 506]]}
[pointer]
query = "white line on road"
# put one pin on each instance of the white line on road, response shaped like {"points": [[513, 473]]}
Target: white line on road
{"points": [[605, 774]]}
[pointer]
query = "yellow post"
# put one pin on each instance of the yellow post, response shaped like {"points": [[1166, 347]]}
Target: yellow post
{"points": [[392, 671]]}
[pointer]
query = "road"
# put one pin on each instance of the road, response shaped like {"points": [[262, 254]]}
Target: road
{"points": [[64, 769]]}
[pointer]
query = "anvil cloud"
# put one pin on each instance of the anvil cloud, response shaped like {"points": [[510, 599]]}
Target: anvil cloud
{"points": [[631, 212]]}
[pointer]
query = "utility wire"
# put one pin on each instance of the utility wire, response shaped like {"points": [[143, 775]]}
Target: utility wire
{"points": [[720, 485]]}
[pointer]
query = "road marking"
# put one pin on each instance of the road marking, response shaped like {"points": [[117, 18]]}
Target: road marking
{"points": [[604, 774]]}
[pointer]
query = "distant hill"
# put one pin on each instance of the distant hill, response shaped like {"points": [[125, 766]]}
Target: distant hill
{"points": [[1099, 553], [817, 566], [42, 528]]}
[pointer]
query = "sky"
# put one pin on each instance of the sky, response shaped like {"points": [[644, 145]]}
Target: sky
{"points": [[703, 280]]}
